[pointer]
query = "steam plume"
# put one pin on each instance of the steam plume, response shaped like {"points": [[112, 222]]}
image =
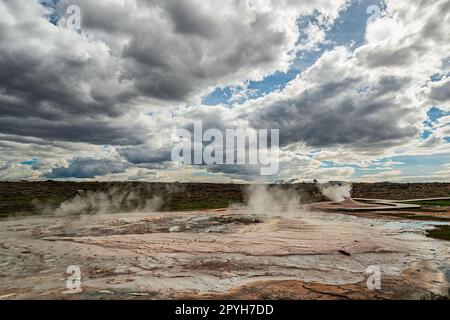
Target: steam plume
{"points": [[336, 192], [263, 199], [115, 200]]}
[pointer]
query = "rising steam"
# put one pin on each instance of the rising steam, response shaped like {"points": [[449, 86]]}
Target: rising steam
{"points": [[336, 192], [263, 199], [115, 200]]}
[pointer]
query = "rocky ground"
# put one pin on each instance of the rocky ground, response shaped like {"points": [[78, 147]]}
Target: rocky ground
{"points": [[230, 254]]}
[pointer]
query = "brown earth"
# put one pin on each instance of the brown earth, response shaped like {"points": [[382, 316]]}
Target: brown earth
{"points": [[227, 254], [297, 290]]}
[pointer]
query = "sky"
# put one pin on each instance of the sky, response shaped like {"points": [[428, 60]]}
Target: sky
{"points": [[358, 89]]}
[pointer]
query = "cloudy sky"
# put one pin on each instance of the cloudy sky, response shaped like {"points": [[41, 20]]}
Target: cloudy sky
{"points": [[360, 89]]}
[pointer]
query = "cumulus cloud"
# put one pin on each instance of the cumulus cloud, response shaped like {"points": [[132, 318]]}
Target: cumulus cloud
{"points": [[60, 84], [105, 102], [440, 92], [142, 155], [87, 168], [365, 98], [384, 175], [335, 111], [16, 171]]}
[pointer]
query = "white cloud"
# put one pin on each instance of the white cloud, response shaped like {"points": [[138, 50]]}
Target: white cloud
{"points": [[138, 70]]}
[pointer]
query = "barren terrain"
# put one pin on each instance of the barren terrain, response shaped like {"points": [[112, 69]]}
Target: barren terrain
{"points": [[297, 252]]}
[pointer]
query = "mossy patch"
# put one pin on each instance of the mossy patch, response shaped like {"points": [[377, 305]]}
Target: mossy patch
{"points": [[439, 232], [439, 203]]}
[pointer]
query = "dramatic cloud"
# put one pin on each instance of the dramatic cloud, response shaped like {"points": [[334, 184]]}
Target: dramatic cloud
{"points": [[104, 102], [366, 97], [347, 109], [440, 93], [88, 168]]}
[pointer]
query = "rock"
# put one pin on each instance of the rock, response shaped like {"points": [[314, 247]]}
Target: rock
{"points": [[345, 253], [175, 229], [7, 296], [106, 292], [139, 294]]}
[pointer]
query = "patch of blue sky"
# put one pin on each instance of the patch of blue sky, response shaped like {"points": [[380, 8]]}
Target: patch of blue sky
{"points": [[254, 89], [426, 134], [218, 96], [53, 17], [30, 163], [424, 164], [364, 89], [376, 167], [434, 114], [201, 174], [49, 3], [439, 76], [348, 30], [326, 164], [333, 164], [409, 165]]}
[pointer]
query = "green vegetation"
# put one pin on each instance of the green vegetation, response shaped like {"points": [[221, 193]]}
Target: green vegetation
{"points": [[439, 203], [439, 232], [26, 206], [34, 198]]}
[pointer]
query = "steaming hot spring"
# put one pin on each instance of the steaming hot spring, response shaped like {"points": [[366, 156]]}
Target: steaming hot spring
{"points": [[272, 248]]}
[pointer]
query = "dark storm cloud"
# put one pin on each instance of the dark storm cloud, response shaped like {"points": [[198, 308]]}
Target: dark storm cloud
{"points": [[391, 84], [101, 131], [145, 155], [87, 168], [188, 21], [333, 113], [173, 68], [244, 172], [441, 92], [57, 84], [389, 58], [51, 87], [211, 118], [139, 68], [173, 50], [199, 49]]}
